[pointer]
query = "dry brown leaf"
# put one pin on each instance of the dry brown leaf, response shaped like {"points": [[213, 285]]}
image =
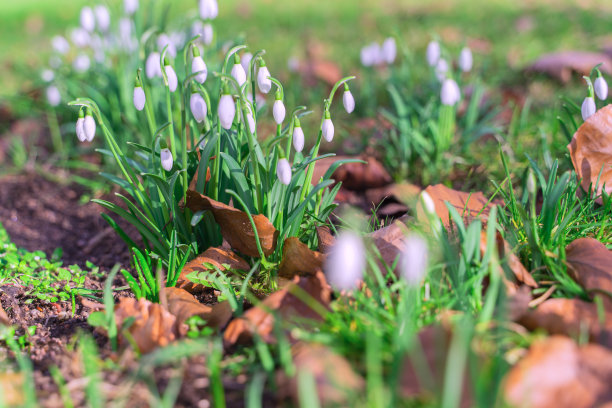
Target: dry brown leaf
{"points": [[561, 65], [152, 327], [354, 176], [4, 319], [286, 303], [184, 305], [591, 151], [326, 71], [11, 389], [389, 240], [298, 259], [334, 377], [571, 317], [468, 205], [325, 238], [557, 373], [235, 225], [213, 256], [404, 193], [590, 264]]}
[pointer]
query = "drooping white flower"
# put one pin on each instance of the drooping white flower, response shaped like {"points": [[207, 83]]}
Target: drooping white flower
{"points": [[601, 88], [283, 171], [88, 19], [172, 79], [450, 93], [348, 101], [345, 263], [81, 63], [47, 75], [130, 6], [80, 131], [466, 60], [60, 44], [588, 107], [80, 37], [165, 155], [209, 9], [328, 128], [263, 80], [238, 73], [226, 111], [250, 119], [89, 127], [441, 69], [433, 53], [298, 136], [278, 111], [152, 66], [54, 97], [245, 61], [198, 107], [102, 17], [371, 54], [389, 50], [164, 40], [139, 98], [413, 259], [207, 34], [198, 65]]}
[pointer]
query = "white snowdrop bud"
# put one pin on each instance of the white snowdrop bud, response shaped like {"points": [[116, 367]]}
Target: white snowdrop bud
{"points": [[164, 40], [80, 131], [278, 110], [465, 59], [60, 44], [283, 171], [80, 37], [102, 17], [47, 75], [54, 97], [130, 6], [209, 9], [427, 203], [198, 107], [347, 100], [532, 184], [139, 98], [433, 53], [250, 119], [346, 261], [238, 73], [263, 80], [198, 65], [207, 34], [413, 259], [89, 126], [245, 61], [298, 136], [601, 88], [588, 107], [152, 67], [165, 155], [226, 111], [328, 127], [450, 93], [88, 19], [389, 50], [81, 63], [172, 79]]}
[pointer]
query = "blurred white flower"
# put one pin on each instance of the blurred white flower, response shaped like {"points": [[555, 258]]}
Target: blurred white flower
{"points": [[413, 259], [283, 171], [89, 127], [165, 155], [47, 75], [293, 64], [263, 80], [465, 59], [207, 34], [298, 137], [126, 30], [251, 120], [102, 17], [433, 53], [60, 44], [139, 98], [450, 93], [81, 63], [601, 88], [588, 108], [238, 74], [245, 61], [198, 107], [346, 261], [80, 131], [278, 111], [198, 65], [164, 40], [209, 9], [427, 203], [152, 66], [389, 50], [130, 6], [328, 128], [172, 79], [226, 111], [88, 19], [80, 37], [54, 97], [371, 55], [441, 69], [348, 101]]}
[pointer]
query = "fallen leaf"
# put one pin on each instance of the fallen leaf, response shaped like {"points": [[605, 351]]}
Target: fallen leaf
{"points": [[591, 151], [152, 325], [325, 238], [334, 377], [287, 303], [561, 65], [590, 262], [403, 193], [235, 225], [326, 71], [468, 205], [219, 257], [354, 176], [11, 389], [557, 373], [184, 305], [389, 240], [298, 259], [4, 319]]}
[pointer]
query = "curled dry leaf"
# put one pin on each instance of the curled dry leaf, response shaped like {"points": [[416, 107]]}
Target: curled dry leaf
{"points": [[389, 240], [468, 205], [590, 264], [557, 373], [334, 377], [298, 259], [235, 225], [591, 151], [561, 65], [152, 325], [325, 238], [288, 303], [217, 257], [184, 305], [354, 176]]}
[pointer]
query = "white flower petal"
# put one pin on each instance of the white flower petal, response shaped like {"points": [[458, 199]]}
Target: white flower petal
{"points": [[345, 263], [278, 111], [263, 80], [239, 74], [413, 259], [198, 65], [465, 59], [226, 111], [328, 130], [601, 88], [298, 139], [198, 107], [167, 161], [89, 127], [588, 108], [348, 101], [283, 171], [172, 79], [139, 98]]}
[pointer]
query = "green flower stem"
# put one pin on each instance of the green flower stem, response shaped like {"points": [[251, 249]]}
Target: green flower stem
{"points": [[252, 140], [56, 135], [148, 104]]}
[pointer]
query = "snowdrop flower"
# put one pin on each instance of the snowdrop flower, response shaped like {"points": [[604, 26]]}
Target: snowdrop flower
{"points": [[465, 59], [328, 127], [283, 171], [347, 100], [102, 17], [532, 184], [207, 34], [588, 108], [198, 65], [152, 67], [413, 259], [88, 19], [601, 88], [450, 93], [80, 37], [81, 63], [389, 50], [164, 40], [441, 69], [427, 203], [130, 6], [165, 155], [278, 109], [238, 71], [139, 96], [298, 136], [263, 80], [198, 107], [226, 110], [171, 75], [371, 55], [60, 44], [345, 263], [53, 95], [250, 119], [245, 61], [89, 126], [433, 53], [47, 75], [209, 9], [80, 131]]}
